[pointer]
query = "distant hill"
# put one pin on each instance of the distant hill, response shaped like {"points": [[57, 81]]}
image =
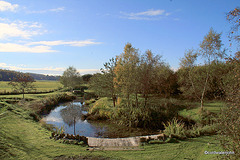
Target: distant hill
{"points": [[7, 75], [44, 77]]}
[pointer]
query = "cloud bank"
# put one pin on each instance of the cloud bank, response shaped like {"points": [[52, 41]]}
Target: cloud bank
{"points": [[6, 6], [45, 70]]}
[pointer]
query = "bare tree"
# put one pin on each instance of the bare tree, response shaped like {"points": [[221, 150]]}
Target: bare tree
{"points": [[22, 83]]}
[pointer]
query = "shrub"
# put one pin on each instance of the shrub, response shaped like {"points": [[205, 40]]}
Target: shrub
{"points": [[174, 128], [230, 130], [157, 110]]}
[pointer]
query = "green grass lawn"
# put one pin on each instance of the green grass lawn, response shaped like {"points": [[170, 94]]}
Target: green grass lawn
{"points": [[193, 113], [40, 86]]}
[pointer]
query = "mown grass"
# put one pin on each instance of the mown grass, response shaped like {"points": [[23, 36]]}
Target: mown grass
{"points": [[43, 86], [22, 138], [193, 111], [27, 96]]}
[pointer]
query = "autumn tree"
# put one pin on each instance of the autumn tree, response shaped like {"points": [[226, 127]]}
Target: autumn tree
{"points": [[164, 80], [148, 65], [23, 83], [230, 117], [198, 76], [234, 18], [210, 50], [70, 78], [127, 72]]}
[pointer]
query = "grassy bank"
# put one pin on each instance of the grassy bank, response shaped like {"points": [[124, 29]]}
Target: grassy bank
{"points": [[22, 138]]}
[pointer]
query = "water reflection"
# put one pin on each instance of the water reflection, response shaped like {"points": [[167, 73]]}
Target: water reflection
{"points": [[71, 114]]}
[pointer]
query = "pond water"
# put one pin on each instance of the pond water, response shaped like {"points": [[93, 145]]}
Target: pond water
{"points": [[68, 115]]}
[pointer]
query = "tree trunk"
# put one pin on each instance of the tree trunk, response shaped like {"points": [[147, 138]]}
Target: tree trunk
{"points": [[114, 100], [145, 101], [136, 99], [128, 101], [74, 126], [23, 93], [201, 103], [204, 89], [190, 77]]}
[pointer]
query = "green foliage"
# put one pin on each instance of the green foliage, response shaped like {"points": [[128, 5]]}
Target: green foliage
{"points": [[60, 130], [86, 77], [194, 80], [219, 81], [132, 116], [174, 128], [103, 84], [71, 78], [229, 119], [102, 109]]}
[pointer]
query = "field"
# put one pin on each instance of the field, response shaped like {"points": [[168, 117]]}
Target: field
{"points": [[42, 86]]}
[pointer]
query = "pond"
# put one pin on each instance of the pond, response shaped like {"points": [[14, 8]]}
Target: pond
{"points": [[68, 115]]}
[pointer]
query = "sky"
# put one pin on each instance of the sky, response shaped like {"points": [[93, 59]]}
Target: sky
{"points": [[46, 37]]}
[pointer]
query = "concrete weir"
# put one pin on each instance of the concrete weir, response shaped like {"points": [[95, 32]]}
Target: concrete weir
{"points": [[122, 142], [117, 142]]}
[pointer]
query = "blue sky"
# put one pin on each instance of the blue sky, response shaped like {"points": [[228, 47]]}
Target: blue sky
{"points": [[43, 36]]}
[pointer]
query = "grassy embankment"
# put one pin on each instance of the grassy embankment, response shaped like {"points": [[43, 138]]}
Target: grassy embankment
{"points": [[21, 137]]}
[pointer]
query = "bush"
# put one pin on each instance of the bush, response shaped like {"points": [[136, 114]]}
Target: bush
{"points": [[199, 130], [157, 110], [175, 128], [230, 130]]}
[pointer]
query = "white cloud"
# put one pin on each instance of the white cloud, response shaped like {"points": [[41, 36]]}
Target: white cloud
{"points": [[149, 13], [42, 46], [59, 9], [70, 43], [12, 47], [20, 29], [88, 71], [45, 70], [6, 6], [24, 68], [53, 119], [146, 15]]}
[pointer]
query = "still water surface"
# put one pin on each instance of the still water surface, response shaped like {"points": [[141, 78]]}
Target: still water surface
{"points": [[68, 115]]}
